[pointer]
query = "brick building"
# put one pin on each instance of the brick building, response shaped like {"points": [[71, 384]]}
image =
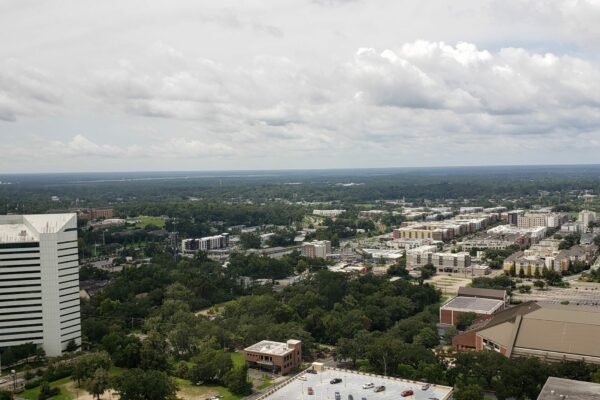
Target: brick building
{"points": [[276, 357]]}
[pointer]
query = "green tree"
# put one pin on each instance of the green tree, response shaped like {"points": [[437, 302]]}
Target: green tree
{"points": [[427, 337], [5, 395], [236, 380], [469, 392], [85, 366], [137, 384], [154, 353], [46, 391], [250, 241], [98, 383]]}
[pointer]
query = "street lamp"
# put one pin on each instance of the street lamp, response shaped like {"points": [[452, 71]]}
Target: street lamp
{"points": [[14, 374]]}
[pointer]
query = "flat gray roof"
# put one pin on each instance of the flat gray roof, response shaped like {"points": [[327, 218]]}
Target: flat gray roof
{"points": [[473, 304], [269, 347], [352, 382], [558, 388]]}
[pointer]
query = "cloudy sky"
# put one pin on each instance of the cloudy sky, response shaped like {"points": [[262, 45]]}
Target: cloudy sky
{"points": [[92, 85]]}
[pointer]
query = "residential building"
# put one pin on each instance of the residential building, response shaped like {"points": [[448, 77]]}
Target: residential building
{"points": [[547, 255], [275, 357], [443, 262], [39, 281], [451, 311], [328, 213], [533, 219], [551, 332], [316, 249], [189, 246], [512, 217], [563, 389], [586, 218]]}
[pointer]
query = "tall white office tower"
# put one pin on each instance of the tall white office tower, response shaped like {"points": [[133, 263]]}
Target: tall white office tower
{"points": [[39, 281]]}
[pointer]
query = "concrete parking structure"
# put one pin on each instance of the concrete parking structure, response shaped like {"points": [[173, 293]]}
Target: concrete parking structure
{"points": [[352, 383]]}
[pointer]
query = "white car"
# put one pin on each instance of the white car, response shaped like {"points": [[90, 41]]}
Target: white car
{"points": [[369, 385], [3, 381], [302, 377]]}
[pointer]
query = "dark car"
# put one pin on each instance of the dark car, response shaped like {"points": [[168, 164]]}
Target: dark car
{"points": [[335, 380], [311, 371], [338, 396], [310, 391], [407, 393], [379, 388]]}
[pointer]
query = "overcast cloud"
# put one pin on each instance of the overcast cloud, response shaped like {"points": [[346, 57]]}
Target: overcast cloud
{"points": [[189, 85]]}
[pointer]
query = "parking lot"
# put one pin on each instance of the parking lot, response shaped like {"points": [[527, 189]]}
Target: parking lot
{"points": [[351, 384], [580, 293]]}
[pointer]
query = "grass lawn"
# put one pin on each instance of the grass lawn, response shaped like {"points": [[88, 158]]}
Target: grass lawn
{"points": [[188, 391], [145, 220], [265, 384], [65, 394]]}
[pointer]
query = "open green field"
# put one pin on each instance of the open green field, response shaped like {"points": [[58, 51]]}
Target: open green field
{"points": [[146, 220], [188, 391], [63, 384]]}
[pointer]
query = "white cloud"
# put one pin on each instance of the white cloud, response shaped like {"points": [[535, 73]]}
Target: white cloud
{"points": [[25, 90], [234, 84]]}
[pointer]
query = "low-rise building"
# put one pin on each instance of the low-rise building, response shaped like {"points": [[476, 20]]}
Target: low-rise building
{"points": [[189, 246], [275, 357], [443, 262], [451, 311], [563, 389], [551, 332], [328, 213], [493, 294]]}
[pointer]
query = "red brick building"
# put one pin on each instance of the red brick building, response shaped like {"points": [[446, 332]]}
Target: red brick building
{"points": [[276, 357]]}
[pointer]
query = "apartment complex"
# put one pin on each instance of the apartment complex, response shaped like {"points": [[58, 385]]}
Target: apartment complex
{"points": [[443, 262], [585, 218], [551, 332], [216, 242], [316, 249], [547, 254], [276, 357], [328, 213], [39, 281], [444, 230], [533, 219]]}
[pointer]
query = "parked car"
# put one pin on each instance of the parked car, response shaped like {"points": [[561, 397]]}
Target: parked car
{"points": [[311, 371], [363, 398], [310, 391], [407, 393], [426, 386], [350, 397], [369, 385], [379, 388], [338, 396], [3, 381], [302, 377], [335, 380]]}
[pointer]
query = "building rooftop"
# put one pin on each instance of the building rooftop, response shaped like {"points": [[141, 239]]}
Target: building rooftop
{"points": [[562, 389], [485, 293], [551, 328], [473, 304], [27, 228], [269, 347], [352, 382]]}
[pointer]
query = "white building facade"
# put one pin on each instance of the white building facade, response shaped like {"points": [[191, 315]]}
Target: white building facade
{"points": [[39, 281]]}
